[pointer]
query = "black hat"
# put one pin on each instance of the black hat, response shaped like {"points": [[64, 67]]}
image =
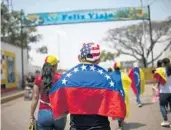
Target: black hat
{"points": [[159, 63]]}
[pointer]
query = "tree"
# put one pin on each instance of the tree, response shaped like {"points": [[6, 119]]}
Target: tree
{"points": [[42, 50], [108, 55], [129, 40], [11, 29]]}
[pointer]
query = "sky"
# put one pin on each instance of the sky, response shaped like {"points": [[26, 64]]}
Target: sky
{"points": [[69, 38]]}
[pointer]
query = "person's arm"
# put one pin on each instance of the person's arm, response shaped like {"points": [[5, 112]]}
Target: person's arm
{"points": [[35, 100]]}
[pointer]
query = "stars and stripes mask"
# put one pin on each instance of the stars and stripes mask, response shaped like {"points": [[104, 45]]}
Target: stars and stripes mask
{"points": [[90, 52]]}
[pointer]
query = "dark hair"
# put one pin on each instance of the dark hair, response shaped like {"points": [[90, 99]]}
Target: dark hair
{"points": [[166, 62], [110, 69], [47, 77], [159, 63], [117, 68], [37, 72], [153, 71]]}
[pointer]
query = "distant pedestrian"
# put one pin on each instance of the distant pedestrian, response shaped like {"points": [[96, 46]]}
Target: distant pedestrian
{"points": [[138, 83], [122, 78], [165, 92], [110, 69]]}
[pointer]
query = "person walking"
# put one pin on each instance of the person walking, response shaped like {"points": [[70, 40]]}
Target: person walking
{"points": [[88, 93], [138, 83], [122, 78], [165, 92], [42, 84]]}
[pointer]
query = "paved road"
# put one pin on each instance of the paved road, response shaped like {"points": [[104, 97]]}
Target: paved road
{"points": [[15, 115]]}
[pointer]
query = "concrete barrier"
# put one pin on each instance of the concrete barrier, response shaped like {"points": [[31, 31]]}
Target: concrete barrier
{"points": [[11, 97]]}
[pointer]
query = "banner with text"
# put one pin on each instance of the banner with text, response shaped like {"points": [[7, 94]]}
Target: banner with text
{"points": [[85, 16]]}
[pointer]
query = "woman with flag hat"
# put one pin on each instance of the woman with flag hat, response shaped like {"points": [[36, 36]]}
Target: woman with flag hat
{"points": [[41, 88], [88, 93], [121, 79]]}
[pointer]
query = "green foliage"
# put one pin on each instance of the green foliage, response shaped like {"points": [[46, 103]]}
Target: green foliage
{"points": [[42, 50], [131, 13], [108, 55], [11, 29]]}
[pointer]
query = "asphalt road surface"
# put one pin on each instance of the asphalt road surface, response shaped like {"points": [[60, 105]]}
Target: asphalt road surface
{"points": [[15, 115]]}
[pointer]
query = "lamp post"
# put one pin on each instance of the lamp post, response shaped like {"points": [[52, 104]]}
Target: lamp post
{"points": [[22, 50], [59, 34], [58, 44]]}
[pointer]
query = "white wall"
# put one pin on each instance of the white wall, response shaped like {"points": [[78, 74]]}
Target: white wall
{"points": [[17, 51]]}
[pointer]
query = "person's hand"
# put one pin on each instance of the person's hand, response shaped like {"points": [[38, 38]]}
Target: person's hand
{"points": [[32, 120]]}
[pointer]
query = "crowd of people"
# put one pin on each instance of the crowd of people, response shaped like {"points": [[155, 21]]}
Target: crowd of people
{"points": [[91, 94]]}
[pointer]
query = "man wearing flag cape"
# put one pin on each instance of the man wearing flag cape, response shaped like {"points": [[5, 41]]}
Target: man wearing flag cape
{"points": [[138, 82], [124, 81], [88, 93]]}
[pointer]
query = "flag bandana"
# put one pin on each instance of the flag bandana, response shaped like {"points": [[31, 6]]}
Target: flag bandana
{"points": [[117, 65], [160, 75], [87, 89]]}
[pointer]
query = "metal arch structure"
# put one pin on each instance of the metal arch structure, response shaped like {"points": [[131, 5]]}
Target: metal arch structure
{"points": [[84, 16]]}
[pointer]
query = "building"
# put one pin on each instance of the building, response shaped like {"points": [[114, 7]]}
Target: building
{"points": [[11, 72]]}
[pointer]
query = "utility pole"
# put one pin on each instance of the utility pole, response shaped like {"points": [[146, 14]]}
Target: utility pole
{"points": [[143, 27], [143, 24], [22, 49], [151, 39]]}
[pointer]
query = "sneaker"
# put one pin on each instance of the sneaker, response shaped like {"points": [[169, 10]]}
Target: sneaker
{"points": [[139, 105], [165, 123]]}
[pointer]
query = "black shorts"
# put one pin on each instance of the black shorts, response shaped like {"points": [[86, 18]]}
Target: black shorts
{"points": [[164, 98]]}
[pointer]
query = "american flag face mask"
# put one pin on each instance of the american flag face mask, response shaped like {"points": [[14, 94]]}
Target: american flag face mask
{"points": [[90, 52]]}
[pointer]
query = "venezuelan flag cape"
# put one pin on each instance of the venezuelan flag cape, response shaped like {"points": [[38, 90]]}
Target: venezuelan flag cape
{"points": [[138, 81], [87, 89], [160, 75], [122, 80]]}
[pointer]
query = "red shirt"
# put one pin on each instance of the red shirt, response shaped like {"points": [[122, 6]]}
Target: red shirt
{"points": [[43, 96]]}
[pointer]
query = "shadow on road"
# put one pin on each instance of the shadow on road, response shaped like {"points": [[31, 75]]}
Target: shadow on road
{"points": [[132, 125], [148, 103]]}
